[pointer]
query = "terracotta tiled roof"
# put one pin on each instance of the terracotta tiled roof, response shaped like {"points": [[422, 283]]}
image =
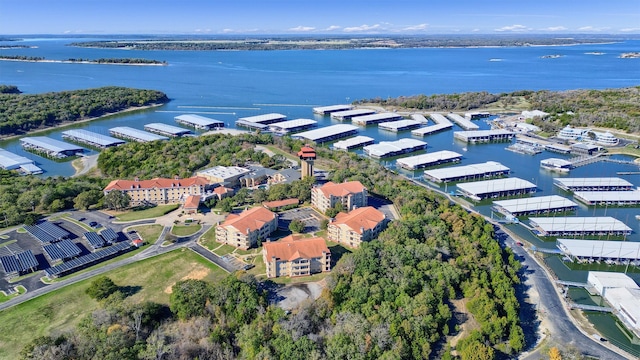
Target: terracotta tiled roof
{"points": [[294, 247], [221, 190], [192, 202], [252, 219], [342, 189], [362, 218], [307, 151], [279, 203], [161, 183]]}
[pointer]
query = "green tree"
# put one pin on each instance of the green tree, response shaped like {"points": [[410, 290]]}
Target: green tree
{"points": [[101, 288], [189, 298], [296, 226], [476, 350], [87, 198], [324, 223], [116, 200]]}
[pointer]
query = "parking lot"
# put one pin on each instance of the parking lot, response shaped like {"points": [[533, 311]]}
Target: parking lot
{"points": [[310, 218]]}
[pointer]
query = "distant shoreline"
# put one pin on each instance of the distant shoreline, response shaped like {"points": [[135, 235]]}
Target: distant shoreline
{"points": [[83, 62]]}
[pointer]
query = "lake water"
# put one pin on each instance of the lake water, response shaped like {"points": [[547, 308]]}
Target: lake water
{"points": [[226, 85]]}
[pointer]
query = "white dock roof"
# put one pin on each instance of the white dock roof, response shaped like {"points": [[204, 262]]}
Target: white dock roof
{"points": [[424, 159], [440, 119], [198, 120], [399, 124], [535, 203], [50, 144], [600, 249], [464, 123], [325, 132], [169, 129], [102, 140], [331, 108], [387, 147], [466, 170], [354, 141], [11, 161], [496, 185], [265, 118], [136, 134], [350, 113], [482, 133], [431, 129], [592, 182], [608, 196], [292, 124], [573, 224], [365, 119]]}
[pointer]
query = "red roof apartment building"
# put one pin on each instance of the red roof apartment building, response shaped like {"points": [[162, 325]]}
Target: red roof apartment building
{"points": [[243, 230], [159, 190], [296, 256], [351, 194]]}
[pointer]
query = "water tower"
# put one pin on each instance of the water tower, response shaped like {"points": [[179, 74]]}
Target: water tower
{"points": [[307, 156]]}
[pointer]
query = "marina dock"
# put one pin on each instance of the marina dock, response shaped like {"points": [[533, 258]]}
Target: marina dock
{"points": [[585, 250], [428, 160], [535, 205], [353, 143], [431, 129], [324, 110], [372, 119], [128, 133], [420, 118], [579, 226], [440, 119], [348, 114], [593, 184], [483, 136], [291, 126], [50, 147], [394, 148], [264, 119], [472, 172], [608, 198], [198, 122], [166, 130], [496, 188], [328, 133], [91, 139], [466, 124], [400, 125], [11, 161]]}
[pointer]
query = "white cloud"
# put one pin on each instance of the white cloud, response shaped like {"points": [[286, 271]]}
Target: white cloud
{"points": [[332, 28], [513, 28], [416, 27], [555, 28], [302, 28], [226, 31], [475, 30], [630, 30], [592, 28], [362, 28], [202, 30]]}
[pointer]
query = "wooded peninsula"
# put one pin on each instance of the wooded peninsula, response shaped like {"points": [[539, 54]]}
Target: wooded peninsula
{"points": [[114, 61], [25, 112]]}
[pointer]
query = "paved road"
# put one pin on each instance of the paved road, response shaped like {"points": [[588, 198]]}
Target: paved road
{"points": [[211, 257]]}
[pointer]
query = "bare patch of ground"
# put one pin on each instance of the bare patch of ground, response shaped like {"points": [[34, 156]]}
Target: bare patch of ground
{"points": [[463, 317], [198, 273], [290, 296]]}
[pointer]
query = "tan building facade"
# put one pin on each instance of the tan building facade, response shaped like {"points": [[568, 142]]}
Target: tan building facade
{"points": [[294, 256], [245, 229], [360, 225], [351, 194], [159, 190]]}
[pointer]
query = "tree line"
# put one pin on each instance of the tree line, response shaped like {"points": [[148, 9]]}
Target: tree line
{"points": [[24, 112], [79, 60]]}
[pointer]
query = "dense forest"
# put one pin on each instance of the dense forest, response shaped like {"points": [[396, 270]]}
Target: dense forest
{"points": [[391, 299], [609, 108], [24, 112], [335, 43], [128, 61]]}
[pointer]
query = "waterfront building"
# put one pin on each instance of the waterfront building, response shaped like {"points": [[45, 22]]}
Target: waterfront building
{"points": [[558, 148], [555, 164], [351, 194], [159, 190], [394, 148], [471, 172], [584, 148], [228, 175], [328, 133], [496, 188], [484, 136], [91, 138], [167, 130], [534, 205], [50, 147], [476, 115], [348, 114], [291, 126], [608, 198], [353, 143], [324, 110], [198, 122], [569, 133], [593, 184], [245, 229], [622, 293], [578, 226], [295, 256], [357, 226], [400, 125], [11, 161], [129, 133], [365, 120], [428, 160], [606, 139], [466, 124], [534, 113]]}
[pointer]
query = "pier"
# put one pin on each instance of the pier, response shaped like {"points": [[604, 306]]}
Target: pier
{"points": [[91, 138], [573, 305], [462, 122], [291, 126], [11, 161], [578, 226], [265, 119]]}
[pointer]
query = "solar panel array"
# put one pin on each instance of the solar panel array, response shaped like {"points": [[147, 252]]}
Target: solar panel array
{"points": [[109, 235], [19, 262], [87, 260], [64, 249], [94, 240], [47, 232], [39, 234]]}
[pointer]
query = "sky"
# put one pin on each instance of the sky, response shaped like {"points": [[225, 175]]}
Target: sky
{"points": [[332, 17]]}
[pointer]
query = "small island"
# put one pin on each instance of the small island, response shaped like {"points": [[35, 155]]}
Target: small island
{"points": [[112, 61], [630, 55], [554, 56]]}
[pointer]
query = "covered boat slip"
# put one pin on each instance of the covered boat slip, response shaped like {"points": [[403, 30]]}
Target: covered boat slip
{"points": [[198, 122], [431, 129], [394, 148], [166, 130], [593, 184], [484, 136], [265, 119], [427, 160], [577, 226], [324, 110], [328, 133], [91, 138], [440, 119], [469, 172], [534, 205], [600, 250], [375, 118], [496, 188], [50, 147], [606, 198], [462, 122], [130, 133], [400, 125], [348, 114], [11, 161], [353, 143], [285, 127]]}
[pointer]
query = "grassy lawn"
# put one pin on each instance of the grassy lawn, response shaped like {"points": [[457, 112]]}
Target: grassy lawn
{"points": [[147, 213], [281, 152], [8, 242], [302, 279], [224, 249], [21, 230], [4, 237], [185, 230], [20, 290], [208, 239], [79, 223], [62, 309], [148, 233], [260, 268]]}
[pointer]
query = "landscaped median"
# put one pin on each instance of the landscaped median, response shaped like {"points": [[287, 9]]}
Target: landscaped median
{"points": [[148, 213], [19, 291]]}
